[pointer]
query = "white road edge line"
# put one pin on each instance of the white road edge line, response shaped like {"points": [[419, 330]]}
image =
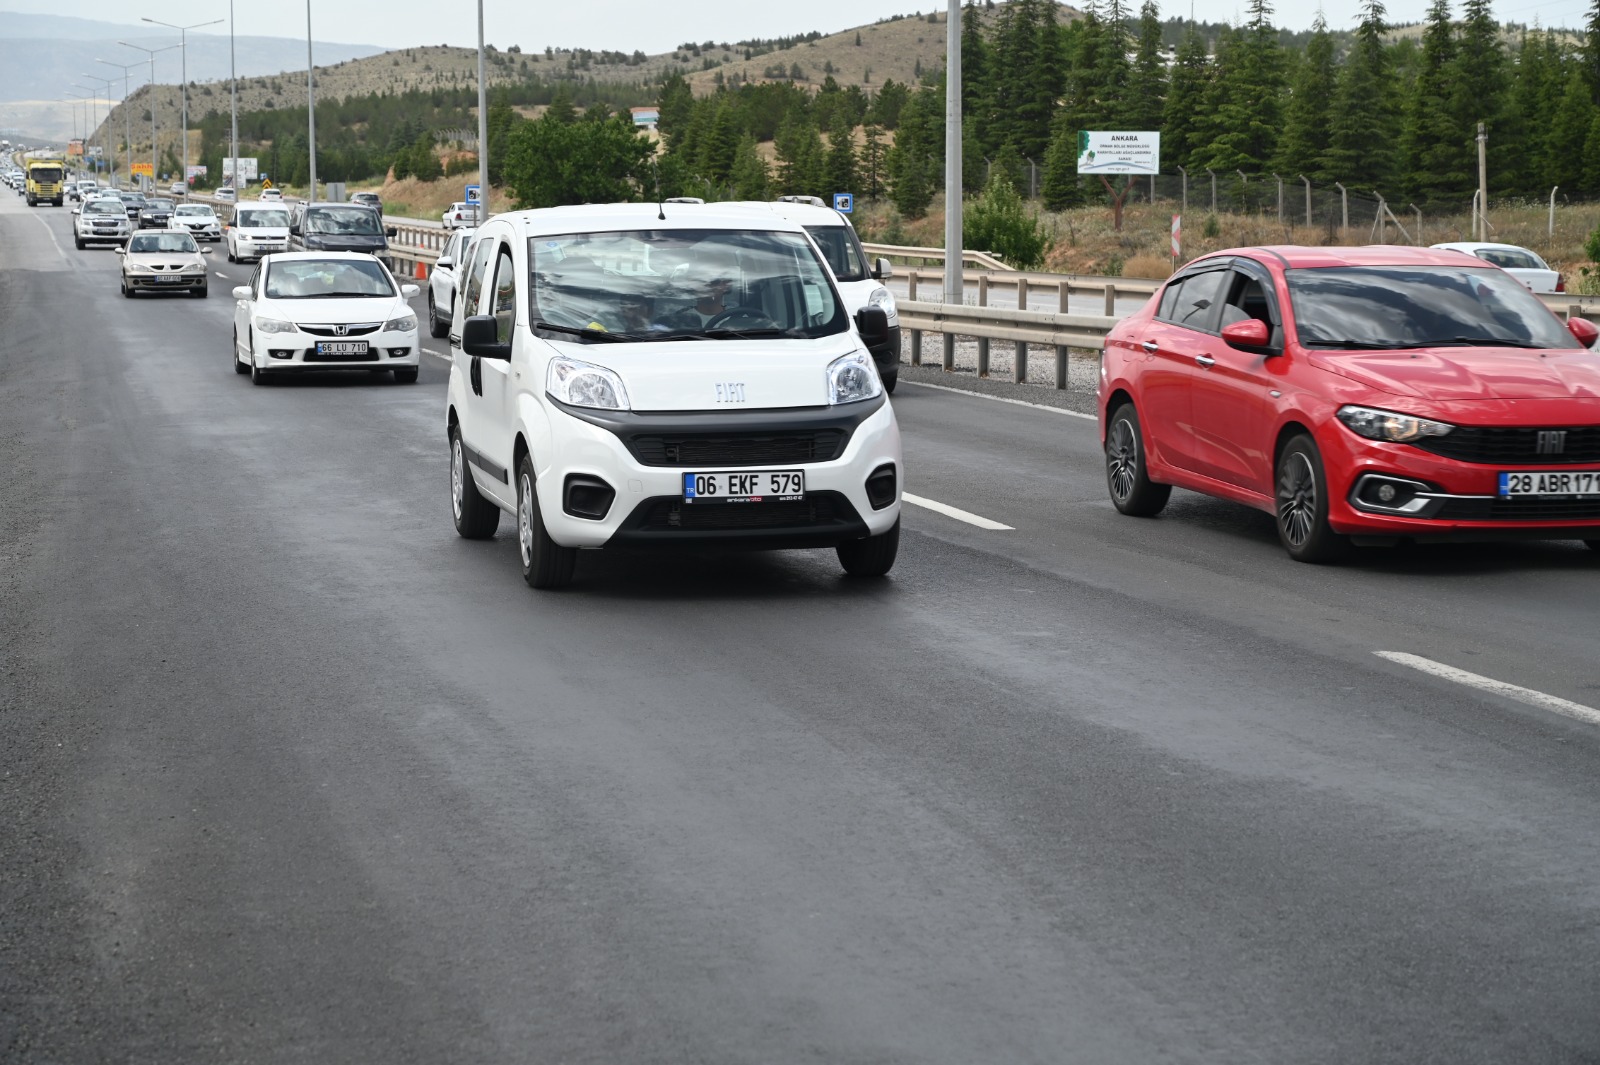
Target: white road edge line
{"points": [[1004, 399], [1577, 711], [954, 512], [59, 249]]}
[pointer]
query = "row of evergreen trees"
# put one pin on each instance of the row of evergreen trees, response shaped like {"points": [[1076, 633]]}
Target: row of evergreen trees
{"points": [[1386, 113]]}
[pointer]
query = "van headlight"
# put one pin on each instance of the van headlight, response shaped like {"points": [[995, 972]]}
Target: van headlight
{"points": [[853, 378], [882, 297], [1389, 425], [583, 384]]}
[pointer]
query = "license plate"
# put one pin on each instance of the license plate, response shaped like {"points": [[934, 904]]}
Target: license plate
{"points": [[1563, 483], [744, 486], [341, 347]]}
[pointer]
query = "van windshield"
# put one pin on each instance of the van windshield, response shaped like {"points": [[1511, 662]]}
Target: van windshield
{"points": [[675, 284], [262, 220], [841, 249]]}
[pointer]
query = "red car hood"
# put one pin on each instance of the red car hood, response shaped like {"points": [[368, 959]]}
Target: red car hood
{"points": [[1454, 374]]}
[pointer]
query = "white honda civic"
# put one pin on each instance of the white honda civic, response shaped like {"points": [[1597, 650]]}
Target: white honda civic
{"points": [[657, 376], [305, 311]]}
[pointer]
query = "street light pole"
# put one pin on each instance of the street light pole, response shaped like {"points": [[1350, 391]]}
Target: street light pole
{"points": [[112, 161], [483, 130], [955, 285], [183, 44], [311, 105], [151, 52], [233, 104], [88, 120], [127, 112]]}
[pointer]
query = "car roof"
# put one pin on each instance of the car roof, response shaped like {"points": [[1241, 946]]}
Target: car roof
{"points": [[294, 256], [1480, 245], [807, 214], [615, 217], [1298, 257]]}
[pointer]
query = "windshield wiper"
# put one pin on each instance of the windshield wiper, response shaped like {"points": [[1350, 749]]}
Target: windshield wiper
{"points": [[592, 334], [1360, 345], [748, 334], [1487, 342]]}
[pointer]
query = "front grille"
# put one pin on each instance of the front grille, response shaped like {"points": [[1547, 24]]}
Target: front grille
{"points": [[818, 509], [1520, 510], [350, 331], [1514, 447], [738, 449]]}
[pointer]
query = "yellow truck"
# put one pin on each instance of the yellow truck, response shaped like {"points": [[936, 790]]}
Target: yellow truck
{"points": [[46, 181]]}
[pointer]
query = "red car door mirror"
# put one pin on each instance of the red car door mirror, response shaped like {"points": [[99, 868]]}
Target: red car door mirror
{"points": [[1250, 333], [1584, 330]]}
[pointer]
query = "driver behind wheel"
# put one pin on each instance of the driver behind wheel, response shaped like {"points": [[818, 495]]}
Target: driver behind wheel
{"points": [[712, 276]]}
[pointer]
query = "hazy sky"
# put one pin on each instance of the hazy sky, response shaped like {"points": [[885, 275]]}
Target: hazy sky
{"points": [[654, 25]]}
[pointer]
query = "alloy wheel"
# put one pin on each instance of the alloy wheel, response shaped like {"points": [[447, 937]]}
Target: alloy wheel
{"points": [[1297, 499], [1122, 458], [525, 520], [457, 462]]}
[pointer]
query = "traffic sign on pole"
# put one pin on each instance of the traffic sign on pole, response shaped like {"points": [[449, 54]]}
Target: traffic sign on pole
{"points": [[474, 194], [844, 202]]}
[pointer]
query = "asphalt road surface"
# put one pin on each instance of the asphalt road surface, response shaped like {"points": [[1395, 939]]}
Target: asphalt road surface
{"points": [[291, 773]]}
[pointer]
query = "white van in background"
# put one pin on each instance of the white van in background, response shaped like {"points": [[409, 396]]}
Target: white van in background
{"points": [[257, 229]]}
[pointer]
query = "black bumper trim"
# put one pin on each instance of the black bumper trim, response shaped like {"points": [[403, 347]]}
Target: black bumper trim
{"points": [[843, 523]]}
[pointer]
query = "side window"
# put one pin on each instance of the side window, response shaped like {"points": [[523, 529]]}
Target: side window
{"points": [[505, 296], [452, 250], [1193, 305], [474, 277], [1248, 298], [255, 281]]}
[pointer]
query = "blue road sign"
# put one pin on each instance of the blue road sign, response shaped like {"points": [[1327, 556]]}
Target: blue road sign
{"points": [[844, 202], [474, 193]]}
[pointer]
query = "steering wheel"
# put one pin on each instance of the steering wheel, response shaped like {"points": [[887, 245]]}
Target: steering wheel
{"points": [[757, 318]]}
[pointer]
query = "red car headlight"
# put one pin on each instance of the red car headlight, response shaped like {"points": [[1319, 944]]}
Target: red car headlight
{"points": [[1389, 425]]}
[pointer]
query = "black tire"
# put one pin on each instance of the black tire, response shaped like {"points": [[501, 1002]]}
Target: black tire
{"points": [[258, 376], [1127, 480], [231, 257], [126, 291], [1301, 490], [891, 379], [436, 328], [202, 292], [406, 375], [1594, 545], [545, 564], [78, 243], [238, 367], [872, 556], [476, 518]]}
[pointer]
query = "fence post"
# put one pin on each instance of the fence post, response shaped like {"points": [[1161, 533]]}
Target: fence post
{"points": [[1418, 210], [1185, 176], [1279, 180], [1213, 174], [1308, 199], [1019, 366], [1033, 180], [1062, 352], [983, 342], [1344, 200], [1552, 233], [916, 334]]}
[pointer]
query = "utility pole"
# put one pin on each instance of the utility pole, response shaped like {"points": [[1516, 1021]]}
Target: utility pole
{"points": [[127, 112], [1483, 183], [311, 106], [183, 45], [151, 52], [483, 129], [955, 285], [233, 106]]}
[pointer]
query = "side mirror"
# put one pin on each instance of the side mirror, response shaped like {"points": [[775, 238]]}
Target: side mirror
{"points": [[241, 292], [480, 337], [205, 251], [410, 291], [120, 251], [873, 325], [1249, 334], [444, 263], [391, 231], [1585, 331], [882, 270]]}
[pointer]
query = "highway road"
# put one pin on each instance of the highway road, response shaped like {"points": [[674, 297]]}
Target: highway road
{"points": [[291, 773]]}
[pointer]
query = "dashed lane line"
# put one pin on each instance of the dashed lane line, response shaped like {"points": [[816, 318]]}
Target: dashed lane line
{"points": [[955, 512], [1001, 399], [1566, 707]]}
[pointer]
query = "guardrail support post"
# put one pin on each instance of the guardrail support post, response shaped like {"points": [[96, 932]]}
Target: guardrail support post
{"points": [[949, 351], [916, 334], [1062, 352], [983, 342], [1111, 301], [1019, 365]]}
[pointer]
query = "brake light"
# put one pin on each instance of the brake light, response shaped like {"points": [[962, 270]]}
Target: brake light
{"points": [[1561, 283]]}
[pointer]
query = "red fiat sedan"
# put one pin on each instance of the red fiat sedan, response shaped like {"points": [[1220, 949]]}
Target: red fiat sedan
{"points": [[1365, 395]]}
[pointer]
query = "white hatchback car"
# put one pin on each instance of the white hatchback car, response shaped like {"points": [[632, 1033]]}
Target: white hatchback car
{"points": [[442, 282], [621, 378], [305, 311]]}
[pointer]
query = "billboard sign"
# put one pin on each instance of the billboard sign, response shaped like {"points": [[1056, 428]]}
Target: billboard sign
{"points": [[146, 169], [1119, 153], [75, 147], [244, 167], [194, 170]]}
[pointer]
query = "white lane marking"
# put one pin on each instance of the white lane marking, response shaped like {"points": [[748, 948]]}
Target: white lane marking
{"points": [[220, 274], [1577, 711], [435, 354], [1003, 399], [953, 512], [59, 250]]}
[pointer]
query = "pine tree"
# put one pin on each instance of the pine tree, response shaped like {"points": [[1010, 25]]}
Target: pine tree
{"points": [[1434, 148], [1061, 187], [1480, 90], [1246, 98], [1184, 127], [1590, 57], [561, 111], [1362, 134], [1305, 122], [802, 161], [841, 162], [975, 86], [1148, 91], [872, 161], [1569, 131], [751, 179], [720, 147]]}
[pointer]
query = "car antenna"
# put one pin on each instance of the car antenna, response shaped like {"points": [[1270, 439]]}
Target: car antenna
{"points": [[661, 207]]}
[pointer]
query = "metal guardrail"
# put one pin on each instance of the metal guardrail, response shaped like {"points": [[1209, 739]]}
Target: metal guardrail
{"points": [[1062, 331], [899, 251]]}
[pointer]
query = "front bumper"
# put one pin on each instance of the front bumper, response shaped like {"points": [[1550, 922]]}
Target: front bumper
{"points": [[161, 282], [648, 508], [251, 249], [1438, 498], [296, 352], [103, 236]]}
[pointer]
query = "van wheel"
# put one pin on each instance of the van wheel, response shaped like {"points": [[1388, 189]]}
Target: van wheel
{"points": [[231, 257], [545, 564], [476, 517], [1132, 491], [871, 556], [1302, 497], [891, 379]]}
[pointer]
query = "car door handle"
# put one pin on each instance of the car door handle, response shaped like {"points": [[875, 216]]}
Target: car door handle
{"points": [[1205, 361], [1150, 347]]}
